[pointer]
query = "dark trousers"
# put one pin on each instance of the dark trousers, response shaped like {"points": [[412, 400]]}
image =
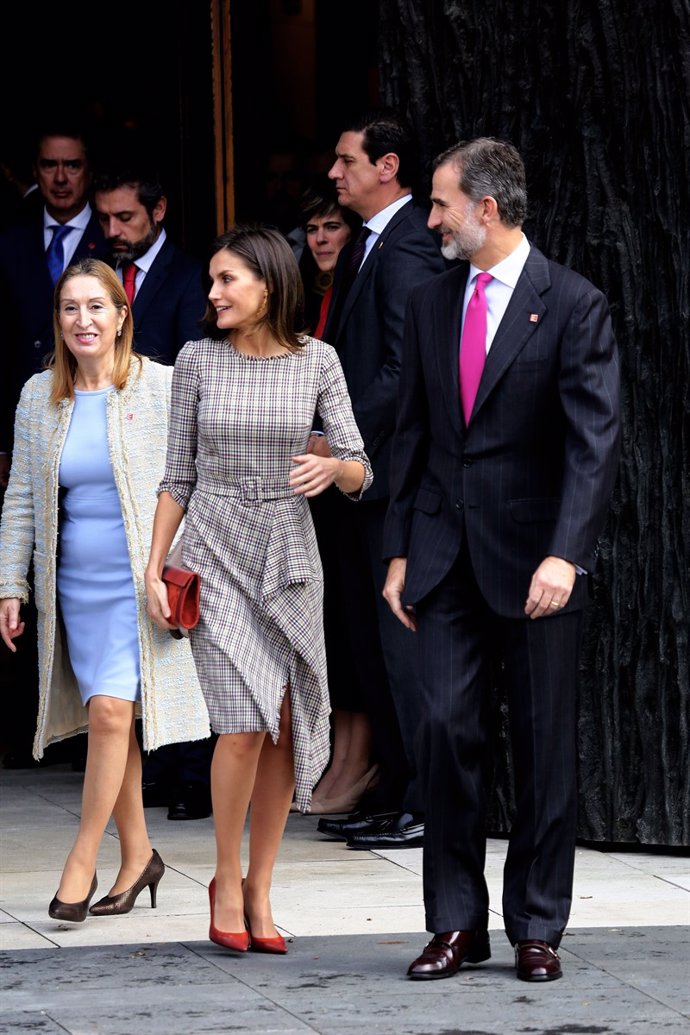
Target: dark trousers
{"points": [[366, 644], [460, 639], [176, 764]]}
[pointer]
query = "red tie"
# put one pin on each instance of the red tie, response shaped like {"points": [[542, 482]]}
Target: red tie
{"points": [[129, 276], [473, 346]]}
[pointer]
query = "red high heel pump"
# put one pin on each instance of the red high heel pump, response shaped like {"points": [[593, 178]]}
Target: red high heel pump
{"points": [[275, 945], [239, 942]]}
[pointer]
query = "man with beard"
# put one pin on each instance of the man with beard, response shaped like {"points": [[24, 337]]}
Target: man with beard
{"points": [[504, 458], [163, 283], [165, 289]]}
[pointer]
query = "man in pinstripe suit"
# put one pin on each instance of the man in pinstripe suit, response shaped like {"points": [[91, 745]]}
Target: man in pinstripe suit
{"points": [[492, 526]]}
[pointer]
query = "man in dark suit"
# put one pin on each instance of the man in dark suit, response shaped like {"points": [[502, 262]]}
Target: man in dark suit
{"points": [[165, 289], [501, 478], [373, 173], [30, 263], [168, 297]]}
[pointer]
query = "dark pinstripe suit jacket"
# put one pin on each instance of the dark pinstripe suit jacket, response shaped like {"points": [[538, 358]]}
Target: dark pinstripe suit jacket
{"points": [[532, 472]]}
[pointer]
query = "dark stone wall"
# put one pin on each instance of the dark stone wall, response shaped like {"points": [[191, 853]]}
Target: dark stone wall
{"points": [[595, 95]]}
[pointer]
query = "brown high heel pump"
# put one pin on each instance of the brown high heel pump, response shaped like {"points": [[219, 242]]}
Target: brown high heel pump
{"points": [[75, 912], [111, 905], [229, 940]]}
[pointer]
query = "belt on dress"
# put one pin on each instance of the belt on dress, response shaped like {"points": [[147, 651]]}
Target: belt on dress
{"points": [[251, 490]]}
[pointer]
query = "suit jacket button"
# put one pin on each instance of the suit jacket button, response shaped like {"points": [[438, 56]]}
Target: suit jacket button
{"points": [[459, 504], [467, 463], [37, 344]]}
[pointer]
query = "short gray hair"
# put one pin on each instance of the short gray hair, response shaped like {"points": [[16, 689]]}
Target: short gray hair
{"points": [[493, 167]]}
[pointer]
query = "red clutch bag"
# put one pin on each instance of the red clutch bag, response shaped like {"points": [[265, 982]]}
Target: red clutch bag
{"points": [[183, 588]]}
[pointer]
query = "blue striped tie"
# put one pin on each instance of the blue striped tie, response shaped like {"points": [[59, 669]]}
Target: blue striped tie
{"points": [[55, 256]]}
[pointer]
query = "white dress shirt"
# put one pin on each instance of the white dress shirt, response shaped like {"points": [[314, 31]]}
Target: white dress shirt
{"points": [[498, 291], [144, 262], [70, 241], [378, 223]]}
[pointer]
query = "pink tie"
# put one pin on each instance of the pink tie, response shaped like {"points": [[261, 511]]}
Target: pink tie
{"points": [[473, 346]]}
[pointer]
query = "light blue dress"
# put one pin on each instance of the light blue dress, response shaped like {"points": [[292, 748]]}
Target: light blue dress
{"points": [[94, 574]]}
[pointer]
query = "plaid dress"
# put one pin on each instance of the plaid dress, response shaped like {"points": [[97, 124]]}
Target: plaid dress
{"points": [[236, 421]]}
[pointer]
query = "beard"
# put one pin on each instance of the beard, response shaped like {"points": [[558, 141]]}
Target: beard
{"points": [[133, 250], [465, 242]]}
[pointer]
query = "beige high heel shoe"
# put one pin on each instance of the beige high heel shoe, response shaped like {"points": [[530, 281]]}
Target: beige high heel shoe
{"points": [[348, 801]]}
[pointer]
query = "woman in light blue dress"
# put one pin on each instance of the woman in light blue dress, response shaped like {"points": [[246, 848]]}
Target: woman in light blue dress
{"points": [[89, 451], [92, 594]]}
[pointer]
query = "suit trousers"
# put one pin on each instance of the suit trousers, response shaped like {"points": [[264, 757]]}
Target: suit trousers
{"points": [[460, 641], [399, 651], [379, 663]]}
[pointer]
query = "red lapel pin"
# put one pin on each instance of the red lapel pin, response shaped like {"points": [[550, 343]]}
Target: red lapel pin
{"points": [[533, 317]]}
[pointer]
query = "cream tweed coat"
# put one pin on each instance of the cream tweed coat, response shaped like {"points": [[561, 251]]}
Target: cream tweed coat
{"points": [[172, 705]]}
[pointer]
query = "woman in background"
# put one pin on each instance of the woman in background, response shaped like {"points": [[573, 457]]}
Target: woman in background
{"points": [[328, 227]]}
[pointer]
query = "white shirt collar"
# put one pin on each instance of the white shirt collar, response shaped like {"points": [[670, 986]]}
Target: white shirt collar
{"points": [[378, 223], [78, 222], [508, 270]]}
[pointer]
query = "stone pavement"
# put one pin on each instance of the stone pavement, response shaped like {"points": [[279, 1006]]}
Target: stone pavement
{"points": [[355, 920]]}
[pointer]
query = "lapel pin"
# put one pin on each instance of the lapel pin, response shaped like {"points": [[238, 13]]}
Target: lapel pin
{"points": [[533, 317]]}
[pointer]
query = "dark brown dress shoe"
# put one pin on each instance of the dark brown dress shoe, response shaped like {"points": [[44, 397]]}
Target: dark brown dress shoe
{"points": [[446, 953], [537, 961]]}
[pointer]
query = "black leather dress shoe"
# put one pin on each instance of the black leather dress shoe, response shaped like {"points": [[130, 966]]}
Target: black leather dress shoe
{"points": [[191, 801], [446, 953], [357, 823], [400, 831], [537, 961]]}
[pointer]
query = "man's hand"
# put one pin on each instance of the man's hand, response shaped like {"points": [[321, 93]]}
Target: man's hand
{"points": [[550, 588], [392, 592], [318, 444]]}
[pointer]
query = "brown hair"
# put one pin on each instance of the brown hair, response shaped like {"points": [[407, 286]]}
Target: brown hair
{"points": [[62, 362], [271, 259]]}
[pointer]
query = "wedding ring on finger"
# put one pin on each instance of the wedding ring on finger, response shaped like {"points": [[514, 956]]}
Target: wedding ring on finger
{"points": [[554, 603]]}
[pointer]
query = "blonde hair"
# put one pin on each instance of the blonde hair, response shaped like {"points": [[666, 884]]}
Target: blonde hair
{"points": [[62, 362]]}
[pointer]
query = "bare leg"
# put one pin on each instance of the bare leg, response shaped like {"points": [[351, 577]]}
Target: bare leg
{"points": [[273, 790], [130, 820], [233, 771], [110, 722], [351, 755]]}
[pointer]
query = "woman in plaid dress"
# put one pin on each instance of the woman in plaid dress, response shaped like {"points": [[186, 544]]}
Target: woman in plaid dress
{"points": [[238, 470]]}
